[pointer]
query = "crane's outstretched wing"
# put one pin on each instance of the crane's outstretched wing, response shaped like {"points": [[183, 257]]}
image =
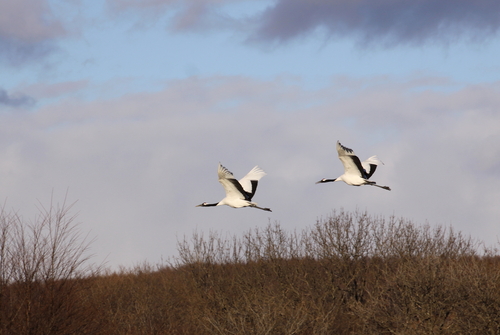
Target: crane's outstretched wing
{"points": [[231, 185], [351, 162], [370, 165], [250, 181]]}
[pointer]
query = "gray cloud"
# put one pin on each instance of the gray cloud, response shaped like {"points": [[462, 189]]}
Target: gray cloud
{"points": [[381, 21], [16, 100], [17, 53], [28, 29], [370, 22]]}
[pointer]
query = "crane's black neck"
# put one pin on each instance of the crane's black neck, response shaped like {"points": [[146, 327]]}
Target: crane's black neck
{"points": [[209, 205], [327, 180]]}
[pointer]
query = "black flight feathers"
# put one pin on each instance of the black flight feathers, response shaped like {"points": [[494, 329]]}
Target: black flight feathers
{"points": [[346, 149], [248, 195], [365, 174]]}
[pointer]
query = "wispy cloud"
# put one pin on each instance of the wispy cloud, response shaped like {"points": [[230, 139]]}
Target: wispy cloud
{"points": [[15, 100], [27, 30], [55, 90], [188, 15]]}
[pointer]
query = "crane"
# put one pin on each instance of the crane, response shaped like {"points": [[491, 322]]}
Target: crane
{"points": [[238, 193], [356, 173]]}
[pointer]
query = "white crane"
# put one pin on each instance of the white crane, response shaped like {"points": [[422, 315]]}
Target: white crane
{"points": [[238, 193], [356, 173]]}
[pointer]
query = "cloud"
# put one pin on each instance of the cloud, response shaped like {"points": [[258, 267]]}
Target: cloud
{"points": [[55, 90], [187, 15], [138, 164], [16, 100], [381, 21], [27, 30], [369, 22], [17, 53]]}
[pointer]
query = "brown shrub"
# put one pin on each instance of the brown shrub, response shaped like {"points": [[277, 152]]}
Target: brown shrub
{"points": [[348, 274], [42, 271]]}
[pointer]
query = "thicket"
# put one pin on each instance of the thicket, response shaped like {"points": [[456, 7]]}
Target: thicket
{"points": [[350, 273], [43, 274]]}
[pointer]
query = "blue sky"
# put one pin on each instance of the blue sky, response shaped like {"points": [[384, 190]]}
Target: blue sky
{"points": [[130, 105]]}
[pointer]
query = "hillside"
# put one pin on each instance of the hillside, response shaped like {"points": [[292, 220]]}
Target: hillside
{"points": [[348, 274]]}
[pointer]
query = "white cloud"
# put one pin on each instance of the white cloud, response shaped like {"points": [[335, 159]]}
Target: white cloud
{"points": [[140, 163]]}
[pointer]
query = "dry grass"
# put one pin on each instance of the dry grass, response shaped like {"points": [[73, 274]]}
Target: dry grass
{"points": [[348, 274]]}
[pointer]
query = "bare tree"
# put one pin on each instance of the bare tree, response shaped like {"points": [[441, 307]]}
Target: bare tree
{"points": [[43, 266]]}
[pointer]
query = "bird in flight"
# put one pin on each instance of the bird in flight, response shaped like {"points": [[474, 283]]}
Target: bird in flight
{"points": [[238, 193], [356, 173]]}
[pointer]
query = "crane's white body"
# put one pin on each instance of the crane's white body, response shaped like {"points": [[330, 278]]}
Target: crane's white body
{"points": [[238, 193], [356, 173]]}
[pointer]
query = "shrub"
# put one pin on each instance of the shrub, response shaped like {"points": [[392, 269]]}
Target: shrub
{"points": [[42, 267]]}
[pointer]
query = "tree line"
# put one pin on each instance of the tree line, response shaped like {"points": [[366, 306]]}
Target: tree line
{"points": [[349, 273]]}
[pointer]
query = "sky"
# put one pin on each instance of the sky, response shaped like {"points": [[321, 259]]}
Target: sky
{"points": [[125, 108]]}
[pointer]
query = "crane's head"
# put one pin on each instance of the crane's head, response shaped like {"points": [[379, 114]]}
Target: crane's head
{"points": [[206, 205], [324, 180]]}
